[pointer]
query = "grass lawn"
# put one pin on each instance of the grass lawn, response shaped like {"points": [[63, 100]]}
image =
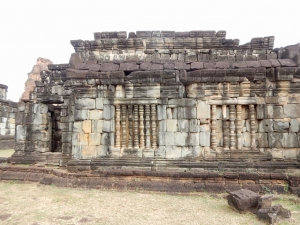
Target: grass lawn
{"points": [[33, 203]]}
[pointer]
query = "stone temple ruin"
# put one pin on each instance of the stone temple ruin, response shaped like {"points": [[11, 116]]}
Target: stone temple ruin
{"points": [[8, 111], [165, 101]]}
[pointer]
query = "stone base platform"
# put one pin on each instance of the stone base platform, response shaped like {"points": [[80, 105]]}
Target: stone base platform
{"points": [[162, 181], [176, 165]]}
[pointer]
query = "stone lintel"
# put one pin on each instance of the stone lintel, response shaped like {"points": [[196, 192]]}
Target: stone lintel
{"points": [[233, 101], [131, 101]]}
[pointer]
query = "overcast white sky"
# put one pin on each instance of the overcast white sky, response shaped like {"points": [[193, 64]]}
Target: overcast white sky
{"points": [[38, 28]]}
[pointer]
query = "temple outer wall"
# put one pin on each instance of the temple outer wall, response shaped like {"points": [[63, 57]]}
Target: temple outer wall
{"points": [[7, 120]]}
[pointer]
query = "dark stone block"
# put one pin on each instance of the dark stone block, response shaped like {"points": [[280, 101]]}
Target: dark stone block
{"points": [[76, 74], [155, 66], [60, 181], [274, 62], [253, 187], [287, 62], [209, 66], [146, 66], [35, 176], [232, 187], [109, 67], [169, 66], [117, 77], [128, 67], [47, 179], [215, 187], [11, 175], [222, 65], [182, 66], [242, 200]]}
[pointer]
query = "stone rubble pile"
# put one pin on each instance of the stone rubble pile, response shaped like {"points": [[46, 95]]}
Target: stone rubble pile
{"points": [[245, 200]]}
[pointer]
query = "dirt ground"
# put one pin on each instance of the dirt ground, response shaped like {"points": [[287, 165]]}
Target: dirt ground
{"points": [[6, 153], [32, 203]]}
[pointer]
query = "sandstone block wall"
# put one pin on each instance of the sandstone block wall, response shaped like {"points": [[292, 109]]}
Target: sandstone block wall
{"points": [[7, 120], [174, 96]]}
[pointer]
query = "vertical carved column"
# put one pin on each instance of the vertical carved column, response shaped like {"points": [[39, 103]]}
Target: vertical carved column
{"points": [[232, 126], [147, 120], [142, 138], [123, 124], [225, 128], [252, 126], [118, 127], [153, 125], [213, 127], [135, 127], [130, 126], [239, 127]]}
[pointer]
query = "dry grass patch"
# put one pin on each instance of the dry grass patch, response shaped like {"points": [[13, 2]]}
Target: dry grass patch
{"points": [[32, 203]]}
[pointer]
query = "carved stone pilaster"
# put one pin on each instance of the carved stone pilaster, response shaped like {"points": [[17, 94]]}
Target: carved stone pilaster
{"points": [[141, 127], [130, 126], [135, 127], [118, 127], [239, 127], [213, 127], [232, 127], [123, 124], [147, 120], [153, 126], [252, 126]]}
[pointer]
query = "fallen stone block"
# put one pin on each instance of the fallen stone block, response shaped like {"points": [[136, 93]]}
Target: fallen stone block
{"points": [[242, 200]]}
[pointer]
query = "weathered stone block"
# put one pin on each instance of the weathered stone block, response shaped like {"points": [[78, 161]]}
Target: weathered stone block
{"points": [[193, 139], [21, 133], [276, 140], [66, 137], [204, 139], [294, 125], [97, 126], [290, 140], [82, 114], [181, 138], [186, 113], [108, 126], [162, 126], [40, 118], [186, 152], [161, 112], [173, 152], [161, 138], [292, 110], [94, 138], [172, 125], [275, 112], [281, 125], [99, 103], [183, 125], [101, 151], [170, 138], [96, 114], [85, 103], [80, 139], [89, 152], [87, 126], [262, 139], [203, 110], [265, 125], [108, 112], [77, 127]]}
